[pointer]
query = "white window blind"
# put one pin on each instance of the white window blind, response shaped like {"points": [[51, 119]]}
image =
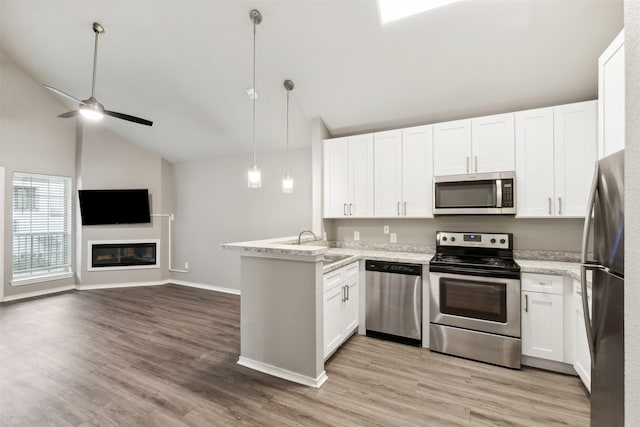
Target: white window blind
{"points": [[41, 225]]}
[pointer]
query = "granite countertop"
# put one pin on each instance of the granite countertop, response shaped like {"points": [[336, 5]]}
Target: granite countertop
{"points": [[315, 248]]}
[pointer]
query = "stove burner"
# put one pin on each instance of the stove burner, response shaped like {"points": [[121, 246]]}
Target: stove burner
{"points": [[450, 258], [495, 261]]}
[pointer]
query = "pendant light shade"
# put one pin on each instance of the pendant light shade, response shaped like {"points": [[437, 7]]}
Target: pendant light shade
{"points": [[254, 176], [287, 181]]}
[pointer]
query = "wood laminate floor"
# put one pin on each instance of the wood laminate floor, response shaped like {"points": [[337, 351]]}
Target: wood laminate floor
{"points": [[166, 356]]}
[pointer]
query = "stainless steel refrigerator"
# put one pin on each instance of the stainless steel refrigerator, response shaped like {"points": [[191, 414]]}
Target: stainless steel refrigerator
{"points": [[605, 329]]}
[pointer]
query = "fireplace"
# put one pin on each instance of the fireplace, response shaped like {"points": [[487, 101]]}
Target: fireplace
{"points": [[123, 255]]}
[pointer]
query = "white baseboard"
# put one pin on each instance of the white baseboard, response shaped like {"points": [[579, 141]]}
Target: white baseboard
{"points": [[38, 293], [207, 287], [549, 365], [120, 285], [283, 373]]}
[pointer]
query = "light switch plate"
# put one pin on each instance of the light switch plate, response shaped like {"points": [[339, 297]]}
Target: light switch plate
{"points": [[386, 229], [393, 237], [356, 235]]}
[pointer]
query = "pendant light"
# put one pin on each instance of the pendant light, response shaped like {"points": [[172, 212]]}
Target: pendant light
{"points": [[287, 180], [254, 175]]}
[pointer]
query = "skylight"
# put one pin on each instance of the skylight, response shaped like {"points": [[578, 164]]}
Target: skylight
{"points": [[391, 10]]}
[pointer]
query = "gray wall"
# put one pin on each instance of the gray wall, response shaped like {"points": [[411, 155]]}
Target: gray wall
{"points": [[214, 206], [110, 162], [632, 202], [530, 234], [32, 139]]}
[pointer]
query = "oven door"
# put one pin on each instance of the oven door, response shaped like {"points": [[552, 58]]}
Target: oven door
{"points": [[478, 303]]}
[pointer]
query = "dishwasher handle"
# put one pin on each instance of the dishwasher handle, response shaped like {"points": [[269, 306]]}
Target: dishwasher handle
{"points": [[394, 267]]}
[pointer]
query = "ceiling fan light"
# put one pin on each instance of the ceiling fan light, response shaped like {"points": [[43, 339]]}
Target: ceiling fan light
{"points": [[254, 177], [91, 114], [287, 184]]}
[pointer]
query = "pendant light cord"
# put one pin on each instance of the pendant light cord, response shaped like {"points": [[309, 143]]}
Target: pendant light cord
{"points": [[287, 157], [254, 93]]}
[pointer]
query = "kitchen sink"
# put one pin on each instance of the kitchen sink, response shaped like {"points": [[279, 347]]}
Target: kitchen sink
{"points": [[330, 259]]}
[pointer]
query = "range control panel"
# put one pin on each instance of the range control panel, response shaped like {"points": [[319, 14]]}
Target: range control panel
{"points": [[475, 240]]}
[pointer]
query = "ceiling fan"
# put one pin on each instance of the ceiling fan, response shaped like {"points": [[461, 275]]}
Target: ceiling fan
{"points": [[91, 108]]}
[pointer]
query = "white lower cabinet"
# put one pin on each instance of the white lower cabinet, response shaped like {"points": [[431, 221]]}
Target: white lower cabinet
{"points": [[340, 306], [542, 316], [582, 361]]}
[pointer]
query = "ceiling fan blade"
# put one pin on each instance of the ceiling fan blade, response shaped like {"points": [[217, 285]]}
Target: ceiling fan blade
{"points": [[69, 114], [128, 117], [59, 92]]}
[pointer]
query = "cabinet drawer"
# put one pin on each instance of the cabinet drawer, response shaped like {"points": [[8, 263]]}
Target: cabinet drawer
{"points": [[352, 269], [545, 283], [333, 279]]}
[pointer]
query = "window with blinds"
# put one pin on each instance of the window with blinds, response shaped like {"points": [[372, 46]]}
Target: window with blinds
{"points": [[41, 225]]}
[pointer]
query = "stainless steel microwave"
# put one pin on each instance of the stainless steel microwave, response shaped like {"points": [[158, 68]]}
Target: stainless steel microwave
{"points": [[475, 194]]}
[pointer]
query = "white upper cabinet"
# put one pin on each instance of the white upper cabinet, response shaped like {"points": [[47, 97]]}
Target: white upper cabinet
{"points": [[492, 143], [348, 177], [534, 162], [574, 156], [555, 158], [388, 173], [417, 172], [403, 175], [611, 87], [452, 148], [483, 144]]}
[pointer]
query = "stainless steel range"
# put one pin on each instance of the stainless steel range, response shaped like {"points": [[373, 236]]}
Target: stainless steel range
{"points": [[475, 297]]}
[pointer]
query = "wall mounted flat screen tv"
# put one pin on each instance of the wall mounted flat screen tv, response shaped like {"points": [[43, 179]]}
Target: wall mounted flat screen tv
{"points": [[101, 207]]}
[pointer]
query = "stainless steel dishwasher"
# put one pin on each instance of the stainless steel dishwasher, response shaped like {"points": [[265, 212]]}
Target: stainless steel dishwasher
{"points": [[394, 301]]}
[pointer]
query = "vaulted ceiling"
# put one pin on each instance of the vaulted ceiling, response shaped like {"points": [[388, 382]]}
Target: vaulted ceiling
{"points": [[186, 65]]}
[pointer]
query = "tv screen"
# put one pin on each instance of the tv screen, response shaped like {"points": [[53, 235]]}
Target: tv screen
{"points": [[100, 207]]}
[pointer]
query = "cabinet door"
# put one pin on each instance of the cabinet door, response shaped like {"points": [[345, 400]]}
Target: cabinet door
{"points": [[351, 307], [542, 324], [388, 173], [575, 156], [534, 163], [582, 363], [452, 148], [417, 173], [493, 143], [335, 177], [360, 198], [332, 312], [611, 97]]}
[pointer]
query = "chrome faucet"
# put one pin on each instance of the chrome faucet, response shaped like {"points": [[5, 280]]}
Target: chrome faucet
{"points": [[307, 231]]}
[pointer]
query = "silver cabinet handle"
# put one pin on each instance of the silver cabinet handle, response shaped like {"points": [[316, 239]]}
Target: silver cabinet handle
{"points": [[347, 288], [526, 303], [467, 164], [398, 208], [405, 208], [549, 205], [344, 209], [351, 209], [559, 205], [344, 294], [476, 162]]}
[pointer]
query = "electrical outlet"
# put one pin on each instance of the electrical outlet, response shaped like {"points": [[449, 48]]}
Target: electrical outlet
{"points": [[393, 237], [186, 265], [386, 229], [356, 235]]}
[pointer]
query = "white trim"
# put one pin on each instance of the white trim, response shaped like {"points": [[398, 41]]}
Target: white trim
{"points": [[43, 278], [91, 243], [38, 293], [204, 286], [120, 285], [283, 373], [1, 233]]}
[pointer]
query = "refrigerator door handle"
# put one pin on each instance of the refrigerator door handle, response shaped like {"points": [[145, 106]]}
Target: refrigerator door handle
{"points": [[584, 263]]}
